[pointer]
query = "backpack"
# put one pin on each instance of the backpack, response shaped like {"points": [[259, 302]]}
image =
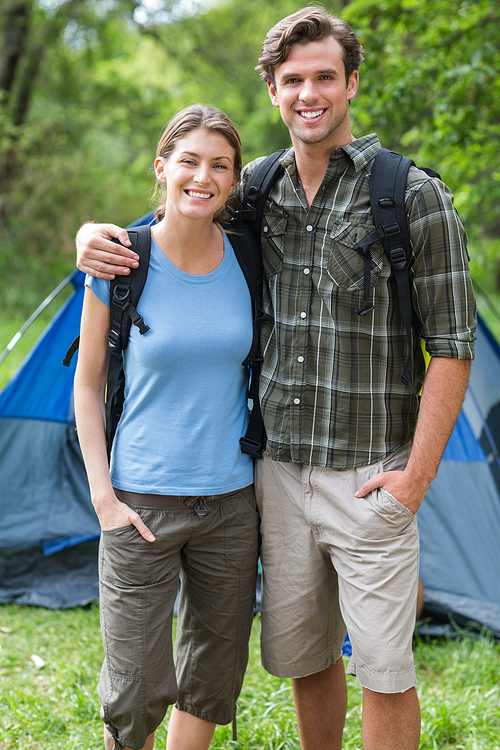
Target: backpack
{"points": [[387, 192], [125, 292]]}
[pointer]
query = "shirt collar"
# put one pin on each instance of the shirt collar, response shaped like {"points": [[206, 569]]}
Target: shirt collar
{"points": [[360, 152]]}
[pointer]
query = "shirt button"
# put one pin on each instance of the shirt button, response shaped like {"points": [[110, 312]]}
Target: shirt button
{"points": [[300, 359], [309, 227], [303, 315], [307, 271], [266, 229], [296, 400]]}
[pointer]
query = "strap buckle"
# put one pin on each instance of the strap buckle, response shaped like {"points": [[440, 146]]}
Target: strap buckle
{"points": [[251, 447]]}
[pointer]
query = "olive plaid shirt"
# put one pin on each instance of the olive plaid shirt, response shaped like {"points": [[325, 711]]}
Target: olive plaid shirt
{"points": [[331, 389]]}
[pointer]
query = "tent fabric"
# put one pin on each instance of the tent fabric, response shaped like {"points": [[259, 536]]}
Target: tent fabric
{"points": [[459, 520], [42, 388], [49, 531], [45, 505]]}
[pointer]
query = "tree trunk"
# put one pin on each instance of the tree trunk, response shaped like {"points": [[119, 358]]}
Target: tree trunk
{"points": [[26, 85], [15, 30]]}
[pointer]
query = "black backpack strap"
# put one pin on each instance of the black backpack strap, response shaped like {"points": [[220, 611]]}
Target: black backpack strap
{"points": [[125, 292], [257, 189], [387, 198], [247, 249], [245, 239], [72, 349]]}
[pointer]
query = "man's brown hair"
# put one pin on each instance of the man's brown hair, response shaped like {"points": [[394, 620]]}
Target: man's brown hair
{"points": [[311, 24]]}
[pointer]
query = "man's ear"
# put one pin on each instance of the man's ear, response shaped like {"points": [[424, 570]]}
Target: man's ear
{"points": [[352, 85], [271, 87]]}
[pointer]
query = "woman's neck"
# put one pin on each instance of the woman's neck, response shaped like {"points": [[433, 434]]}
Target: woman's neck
{"points": [[194, 246]]}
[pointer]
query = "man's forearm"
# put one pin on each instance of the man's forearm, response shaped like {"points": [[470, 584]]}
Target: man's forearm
{"points": [[442, 397]]}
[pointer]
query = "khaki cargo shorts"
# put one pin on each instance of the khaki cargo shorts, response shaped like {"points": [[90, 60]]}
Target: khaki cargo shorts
{"points": [[215, 556], [332, 560]]}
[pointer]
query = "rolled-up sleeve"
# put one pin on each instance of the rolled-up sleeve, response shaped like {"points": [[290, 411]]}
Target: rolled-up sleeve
{"points": [[443, 296]]}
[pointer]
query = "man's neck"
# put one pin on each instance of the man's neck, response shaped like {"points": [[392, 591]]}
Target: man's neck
{"points": [[312, 161]]}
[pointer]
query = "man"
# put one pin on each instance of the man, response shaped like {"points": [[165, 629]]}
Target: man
{"points": [[348, 462]]}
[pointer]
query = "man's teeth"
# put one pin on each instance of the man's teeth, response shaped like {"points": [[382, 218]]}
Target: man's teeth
{"points": [[311, 115], [194, 194]]}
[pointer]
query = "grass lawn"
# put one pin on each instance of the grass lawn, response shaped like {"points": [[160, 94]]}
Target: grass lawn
{"points": [[49, 665]]}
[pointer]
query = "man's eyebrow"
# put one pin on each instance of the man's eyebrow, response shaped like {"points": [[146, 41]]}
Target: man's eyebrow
{"points": [[326, 71]]}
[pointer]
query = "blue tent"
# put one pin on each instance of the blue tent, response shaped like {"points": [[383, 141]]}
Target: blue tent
{"points": [[48, 528], [49, 531], [459, 520]]}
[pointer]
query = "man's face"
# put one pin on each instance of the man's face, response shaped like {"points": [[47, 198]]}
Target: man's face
{"points": [[312, 94]]}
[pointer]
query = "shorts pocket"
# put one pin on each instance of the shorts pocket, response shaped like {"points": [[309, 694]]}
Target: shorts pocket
{"points": [[241, 532], [395, 504], [126, 558], [388, 518]]}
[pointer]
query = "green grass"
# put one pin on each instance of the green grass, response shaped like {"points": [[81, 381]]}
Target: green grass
{"points": [[54, 704]]}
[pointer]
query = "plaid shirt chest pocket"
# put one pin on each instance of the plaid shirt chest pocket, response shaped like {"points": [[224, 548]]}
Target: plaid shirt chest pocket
{"points": [[273, 242], [345, 265]]}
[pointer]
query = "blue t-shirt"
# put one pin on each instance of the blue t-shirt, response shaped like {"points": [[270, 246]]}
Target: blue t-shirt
{"points": [[185, 388]]}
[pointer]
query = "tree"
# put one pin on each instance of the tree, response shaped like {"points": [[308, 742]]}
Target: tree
{"points": [[430, 87], [80, 112]]}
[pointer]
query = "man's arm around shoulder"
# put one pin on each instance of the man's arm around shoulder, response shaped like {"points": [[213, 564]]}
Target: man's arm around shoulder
{"points": [[99, 256]]}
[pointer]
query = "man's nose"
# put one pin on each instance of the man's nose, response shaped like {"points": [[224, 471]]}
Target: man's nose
{"points": [[308, 91]]}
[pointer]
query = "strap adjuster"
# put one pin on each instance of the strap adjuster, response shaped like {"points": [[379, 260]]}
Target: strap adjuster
{"points": [[391, 229], [113, 339], [398, 258]]}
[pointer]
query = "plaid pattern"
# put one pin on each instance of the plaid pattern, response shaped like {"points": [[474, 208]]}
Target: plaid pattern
{"points": [[331, 388]]}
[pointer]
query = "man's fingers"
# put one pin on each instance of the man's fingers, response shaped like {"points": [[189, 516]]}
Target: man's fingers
{"points": [[371, 484], [120, 234], [102, 249]]}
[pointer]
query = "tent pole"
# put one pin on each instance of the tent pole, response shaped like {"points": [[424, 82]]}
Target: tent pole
{"points": [[35, 315]]}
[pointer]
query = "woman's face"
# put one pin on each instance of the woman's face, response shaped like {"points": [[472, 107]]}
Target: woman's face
{"points": [[199, 174]]}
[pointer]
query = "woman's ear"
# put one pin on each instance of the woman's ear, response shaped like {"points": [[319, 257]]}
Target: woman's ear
{"points": [[160, 170]]}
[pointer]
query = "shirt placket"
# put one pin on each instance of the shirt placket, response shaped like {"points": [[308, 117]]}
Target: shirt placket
{"points": [[301, 336]]}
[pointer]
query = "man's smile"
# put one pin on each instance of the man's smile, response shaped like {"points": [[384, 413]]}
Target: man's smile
{"points": [[311, 115]]}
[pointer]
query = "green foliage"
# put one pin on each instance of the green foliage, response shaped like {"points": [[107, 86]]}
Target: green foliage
{"points": [[430, 88], [95, 82], [84, 149], [54, 704]]}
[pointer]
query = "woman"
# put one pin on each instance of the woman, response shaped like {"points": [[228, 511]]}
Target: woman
{"points": [[178, 498]]}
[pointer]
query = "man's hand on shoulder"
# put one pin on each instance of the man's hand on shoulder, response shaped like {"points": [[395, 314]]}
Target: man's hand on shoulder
{"points": [[99, 256]]}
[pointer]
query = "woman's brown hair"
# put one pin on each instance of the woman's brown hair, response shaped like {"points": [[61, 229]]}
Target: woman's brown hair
{"points": [[213, 121]]}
